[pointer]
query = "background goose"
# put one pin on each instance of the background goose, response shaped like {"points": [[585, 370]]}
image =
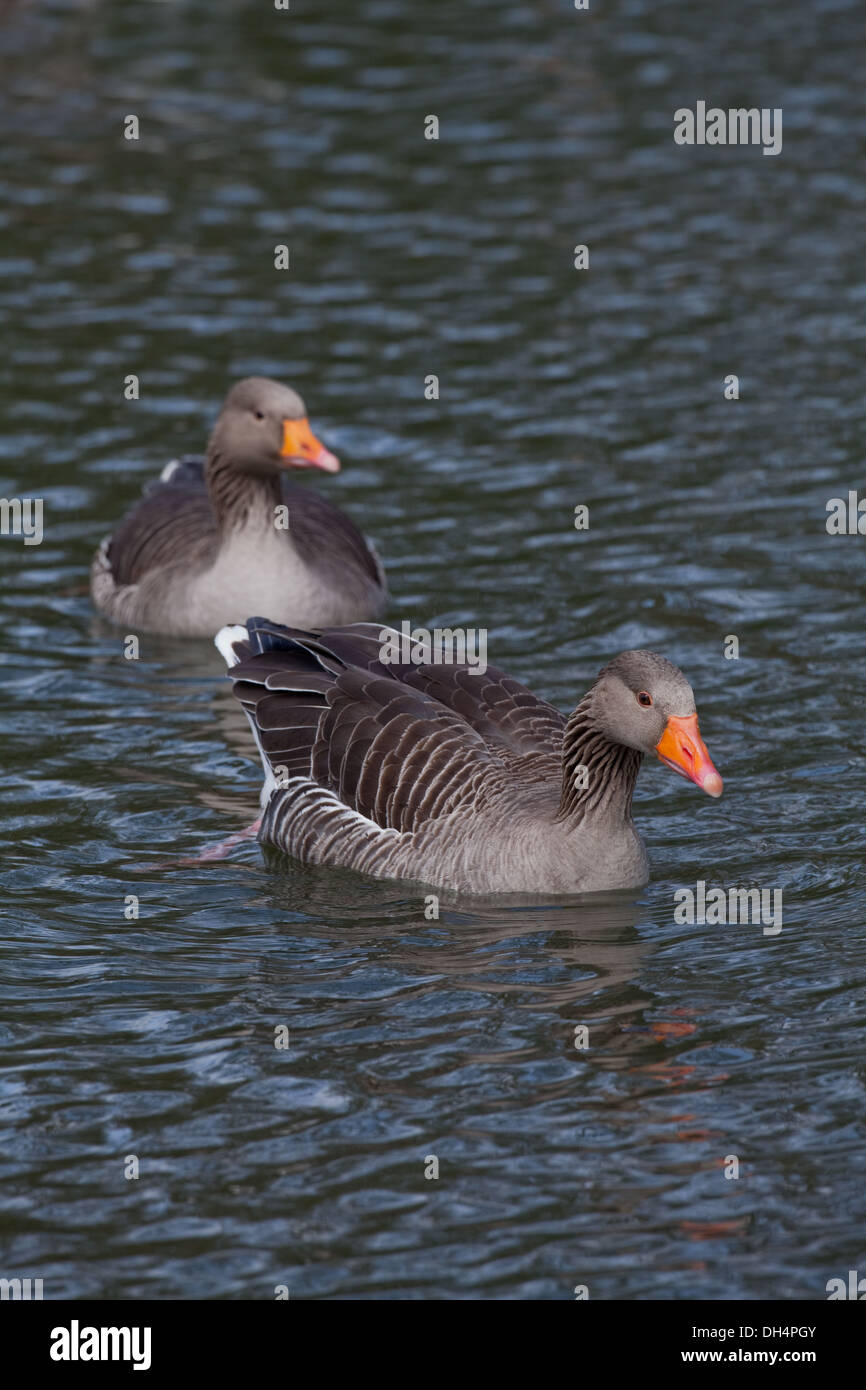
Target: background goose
{"points": [[202, 547], [449, 777]]}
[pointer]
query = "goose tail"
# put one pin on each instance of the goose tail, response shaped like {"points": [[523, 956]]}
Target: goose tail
{"points": [[235, 643]]}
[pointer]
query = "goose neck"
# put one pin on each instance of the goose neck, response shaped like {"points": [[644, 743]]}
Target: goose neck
{"points": [[598, 775], [239, 498]]}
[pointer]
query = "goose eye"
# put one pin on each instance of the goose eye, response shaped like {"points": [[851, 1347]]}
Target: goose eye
{"points": [[259, 414], [644, 698]]}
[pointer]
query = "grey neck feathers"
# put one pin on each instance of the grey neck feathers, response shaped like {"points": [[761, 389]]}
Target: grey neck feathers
{"points": [[240, 499], [608, 770]]}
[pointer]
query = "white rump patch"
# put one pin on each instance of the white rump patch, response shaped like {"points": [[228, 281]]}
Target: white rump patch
{"points": [[236, 632], [233, 632]]}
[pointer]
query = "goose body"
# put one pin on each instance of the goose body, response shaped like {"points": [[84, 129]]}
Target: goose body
{"points": [[218, 537], [444, 776]]}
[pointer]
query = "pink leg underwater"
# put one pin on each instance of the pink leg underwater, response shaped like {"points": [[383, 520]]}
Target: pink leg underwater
{"points": [[225, 846]]}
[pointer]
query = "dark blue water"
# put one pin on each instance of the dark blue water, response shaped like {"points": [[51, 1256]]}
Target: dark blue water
{"points": [[155, 1037]]}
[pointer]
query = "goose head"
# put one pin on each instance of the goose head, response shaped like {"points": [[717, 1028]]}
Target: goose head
{"points": [[643, 701], [263, 427]]}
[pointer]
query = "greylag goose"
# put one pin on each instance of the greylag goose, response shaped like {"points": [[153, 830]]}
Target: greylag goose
{"points": [[459, 780], [217, 538]]}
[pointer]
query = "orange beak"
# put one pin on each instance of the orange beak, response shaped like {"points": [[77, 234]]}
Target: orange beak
{"points": [[301, 448], [683, 749]]}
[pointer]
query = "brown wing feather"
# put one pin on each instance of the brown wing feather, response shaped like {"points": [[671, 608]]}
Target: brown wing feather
{"points": [[172, 524], [325, 537], [393, 753], [507, 715]]}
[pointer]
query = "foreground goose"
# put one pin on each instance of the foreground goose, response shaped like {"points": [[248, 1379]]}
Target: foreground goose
{"points": [[441, 775], [215, 539]]}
